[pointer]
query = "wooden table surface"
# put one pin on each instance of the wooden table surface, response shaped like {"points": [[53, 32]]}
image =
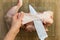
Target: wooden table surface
{"points": [[39, 5]]}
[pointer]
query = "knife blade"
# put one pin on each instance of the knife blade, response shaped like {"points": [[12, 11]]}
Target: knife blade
{"points": [[38, 25]]}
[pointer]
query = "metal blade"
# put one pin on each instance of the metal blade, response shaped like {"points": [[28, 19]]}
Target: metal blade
{"points": [[38, 25], [32, 10]]}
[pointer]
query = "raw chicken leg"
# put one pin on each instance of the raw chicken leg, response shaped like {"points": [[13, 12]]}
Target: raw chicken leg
{"points": [[11, 12]]}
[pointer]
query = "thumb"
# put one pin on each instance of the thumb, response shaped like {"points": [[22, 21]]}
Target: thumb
{"points": [[15, 16], [21, 16]]}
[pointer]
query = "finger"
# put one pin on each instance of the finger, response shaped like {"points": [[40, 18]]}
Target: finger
{"points": [[21, 16], [15, 16]]}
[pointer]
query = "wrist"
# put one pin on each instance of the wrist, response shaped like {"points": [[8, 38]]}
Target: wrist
{"points": [[14, 31], [11, 34]]}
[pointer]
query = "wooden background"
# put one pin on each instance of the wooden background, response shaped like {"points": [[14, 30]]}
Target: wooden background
{"points": [[40, 6]]}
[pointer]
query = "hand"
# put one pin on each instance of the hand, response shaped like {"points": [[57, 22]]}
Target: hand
{"points": [[16, 24], [17, 21]]}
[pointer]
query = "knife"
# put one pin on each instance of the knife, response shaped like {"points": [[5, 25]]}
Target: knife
{"points": [[38, 25]]}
